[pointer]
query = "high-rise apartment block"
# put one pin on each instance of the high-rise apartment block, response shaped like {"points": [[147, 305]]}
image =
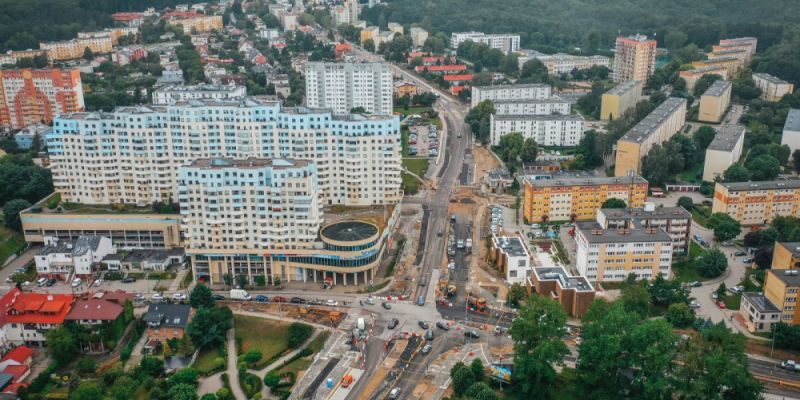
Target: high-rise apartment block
{"points": [[510, 92], [552, 105], [342, 87], [675, 221], [715, 101], [506, 42], [30, 96], [132, 155], [619, 99], [547, 130], [418, 36], [634, 58], [757, 203], [172, 93], [657, 127]]}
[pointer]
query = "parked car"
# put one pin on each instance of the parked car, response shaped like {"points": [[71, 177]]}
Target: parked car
{"points": [[75, 282], [386, 305], [694, 305], [178, 297], [217, 297], [748, 260], [697, 284], [157, 298], [472, 334], [740, 253], [370, 301], [279, 299], [426, 349], [443, 325], [429, 335], [128, 279], [721, 304], [98, 282], [393, 323], [424, 325], [394, 394], [41, 282], [261, 298], [50, 282], [790, 365], [315, 302], [298, 300]]}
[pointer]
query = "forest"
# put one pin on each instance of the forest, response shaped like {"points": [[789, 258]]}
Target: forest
{"points": [[23, 24]]}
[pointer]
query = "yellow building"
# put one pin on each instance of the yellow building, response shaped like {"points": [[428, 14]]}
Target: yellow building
{"points": [[715, 101], [724, 151], [772, 88], [370, 32], [621, 98], [693, 75], [739, 54], [405, 88], [74, 49], [205, 23], [113, 33], [786, 255], [757, 203], [748, 44], [731, 64], [658, 127], [11, 57], [578, 198], [777, 303]]}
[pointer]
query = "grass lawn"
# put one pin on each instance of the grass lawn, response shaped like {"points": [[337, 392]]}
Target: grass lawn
{"points": [[694, 175], [700, 214], [684, 272], [302, 364], [10, 243], [732, 301], [265, 335], [404, 141], [416, 165], [205, 360], [412, 110], [695, 250], [410, 184]]}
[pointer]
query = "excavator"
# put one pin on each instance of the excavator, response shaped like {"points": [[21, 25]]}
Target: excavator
{"points": [[476, 303]]}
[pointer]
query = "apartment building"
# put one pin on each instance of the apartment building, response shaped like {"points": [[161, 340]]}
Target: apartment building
{"points": [[547, 130], [739, 54], [749, 44], [693, 75], [791, 130], [75, 48], [196, 23], [561, 63], [506, 42], [510, 92], [575, 293], [132, 155], [757, 203], [32, 96], [634, 58], [64, 259], [731, 64], [724, 151], [675, 221], [552, 105], [619, 99], [370, 32], [611, 254], [777, 302], [786, 255], [114, 33], [657, 127], [171, 93], [341, 87], [577, 198], [11, 57], [772, 88], [715, 101], [512, 258], [418, 36], [215, 195]]}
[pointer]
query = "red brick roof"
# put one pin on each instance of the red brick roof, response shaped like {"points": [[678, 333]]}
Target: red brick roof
{"points": [[38, 308], [117, 296], [455, 90], [19, 354], [17, 371], [14, 387], [126, 16], [459, 77], [94, 309], [442, 68]]}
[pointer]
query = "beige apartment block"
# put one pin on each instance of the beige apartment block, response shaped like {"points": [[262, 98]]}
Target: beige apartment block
{"points": [[772, 88], [634, 58], [658, 127], [693, 75], [715, 101], [621, 98], [724, 150], [757, 203]]}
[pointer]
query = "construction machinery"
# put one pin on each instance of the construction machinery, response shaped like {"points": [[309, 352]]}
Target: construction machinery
{"points": [[347, 381], [451, 291], [476, 303]]}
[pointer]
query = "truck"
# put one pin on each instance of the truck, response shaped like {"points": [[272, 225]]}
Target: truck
{"points": [[476, 303], [240, 294], [469, 246], [361, 324]]}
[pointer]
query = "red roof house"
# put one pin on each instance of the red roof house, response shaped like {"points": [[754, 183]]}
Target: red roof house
{"points": [[445, 69], [19, 372], [22, 355], [455, 79], [28, 317], [93, 311]]}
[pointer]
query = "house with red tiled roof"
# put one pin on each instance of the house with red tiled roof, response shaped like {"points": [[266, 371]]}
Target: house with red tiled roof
{"points": [[27, 317], [22, 355], [443, 69], [94, 311], [455, 90], [14, 387], [19, 372], [458, 79]]}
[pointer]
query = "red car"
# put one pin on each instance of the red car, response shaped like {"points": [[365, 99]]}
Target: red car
{"points": [[279, 299], [721, 304]]}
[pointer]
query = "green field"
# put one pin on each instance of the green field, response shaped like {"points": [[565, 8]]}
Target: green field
{"points": [[410, 184], [205, 360], [416, 165], [265, 335], [700, 214], [302, 364], [10, 243]]}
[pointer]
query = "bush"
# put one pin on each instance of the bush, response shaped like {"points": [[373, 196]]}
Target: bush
{"points": [[272, 380], [298, 333], [113, 276], [250, 383], [252, 356], [680, 315], [86, 365]]}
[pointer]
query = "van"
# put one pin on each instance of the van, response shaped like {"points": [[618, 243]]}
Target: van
{"points": [[394, 394], [41, 281], [423, 281]]}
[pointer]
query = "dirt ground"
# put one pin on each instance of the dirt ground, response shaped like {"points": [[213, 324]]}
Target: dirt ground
{"points": [[484, 161], [318, 315]]}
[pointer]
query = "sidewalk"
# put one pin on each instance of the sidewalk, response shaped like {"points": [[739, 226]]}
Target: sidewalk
{"points": [[233, 372], [279, 362]]}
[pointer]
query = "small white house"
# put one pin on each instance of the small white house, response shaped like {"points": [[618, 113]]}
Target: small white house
{"points": [[61, 259], [512, 258]]}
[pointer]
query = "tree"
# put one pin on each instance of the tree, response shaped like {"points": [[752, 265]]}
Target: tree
{"points": [[477, 369], [721, 290], [713, 263], [358, 110], [124, 388], [511, 146], [86, 365], [666, 292], [704, 83], [686, 202], [478, 120], [679, 315], [61, 345], [151, 366], [88, 54], [534, 71], [298, 333], [272, 379], [201, 296], [11, 213], [704, 136], [538, 345], [369, 45], [736, 173], [182, 391], [724, 226], [87, 390], [462, 378], [241, 281], [796, 160], [764, 167], [516, 293], [614, 203], [529, 150], [635, 298], [701, 374], [209, 326], [589, 147], [186, 376]]}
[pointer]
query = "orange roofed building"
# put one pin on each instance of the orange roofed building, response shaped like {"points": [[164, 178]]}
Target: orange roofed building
{"points": [[27, 317]]}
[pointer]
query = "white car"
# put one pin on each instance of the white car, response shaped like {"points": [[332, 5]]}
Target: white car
{"points": [[178, 297], [157, 298], [76, 282], [333, 303], [694, 305], [370, 301]]}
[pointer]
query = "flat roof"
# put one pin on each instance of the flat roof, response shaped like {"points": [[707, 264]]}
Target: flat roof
{"points": [[652, 121], [553, 99], [349, 231], [792, 121], [615, 214], [762, 185], [791, 277], [761, 303], [511, 245], [203, 87], [566, 281], [624, 87], [594, 233], [587, 181], [769, 78], [726, 138], [519, 86], [545, 117], [793, 247], [252, 162], [717, 88]]}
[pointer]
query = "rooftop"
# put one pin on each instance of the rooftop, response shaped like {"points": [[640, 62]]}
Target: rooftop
{"points": [[594, 233], [641, 213], [94, 309], [152, 255], [198, 88], [624, 87], [762, 185], [543, 117], [37, 308], [792, 121], [511, 245], [718, 88], [553, 99], [566, 281], [791, 277], [652, 121], [349, 231], [793, 247], [252, 162], [761, 303], [504, 87], [168, 315], [586, 181], [771, 79], [726, 138]]}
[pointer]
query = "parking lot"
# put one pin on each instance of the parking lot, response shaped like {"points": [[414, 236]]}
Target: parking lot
{"points": [[423, 140]]}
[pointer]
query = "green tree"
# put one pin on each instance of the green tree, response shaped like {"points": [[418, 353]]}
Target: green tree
{"points": [[736, 173], [614, 203], [11, 212], [87, 390], [511, 146], [764, 167], [124, 388], [590, 148], [529, 150], [201, 296], [369, 45], [61, 345], [666, 292], [182, 391], [724, 226], [298, 333], [704, 83], [534, 71], [209, 326], [86, 365], [186, 376], [721, 290], [703, 136], [516, 293], [635, 298], [796, 160], [478, 120], [241, 281], [462, 378], [88, 54], [712, 264], [686, 202], [538, 345], [151, 366], [476, 366], [679, 315]]}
